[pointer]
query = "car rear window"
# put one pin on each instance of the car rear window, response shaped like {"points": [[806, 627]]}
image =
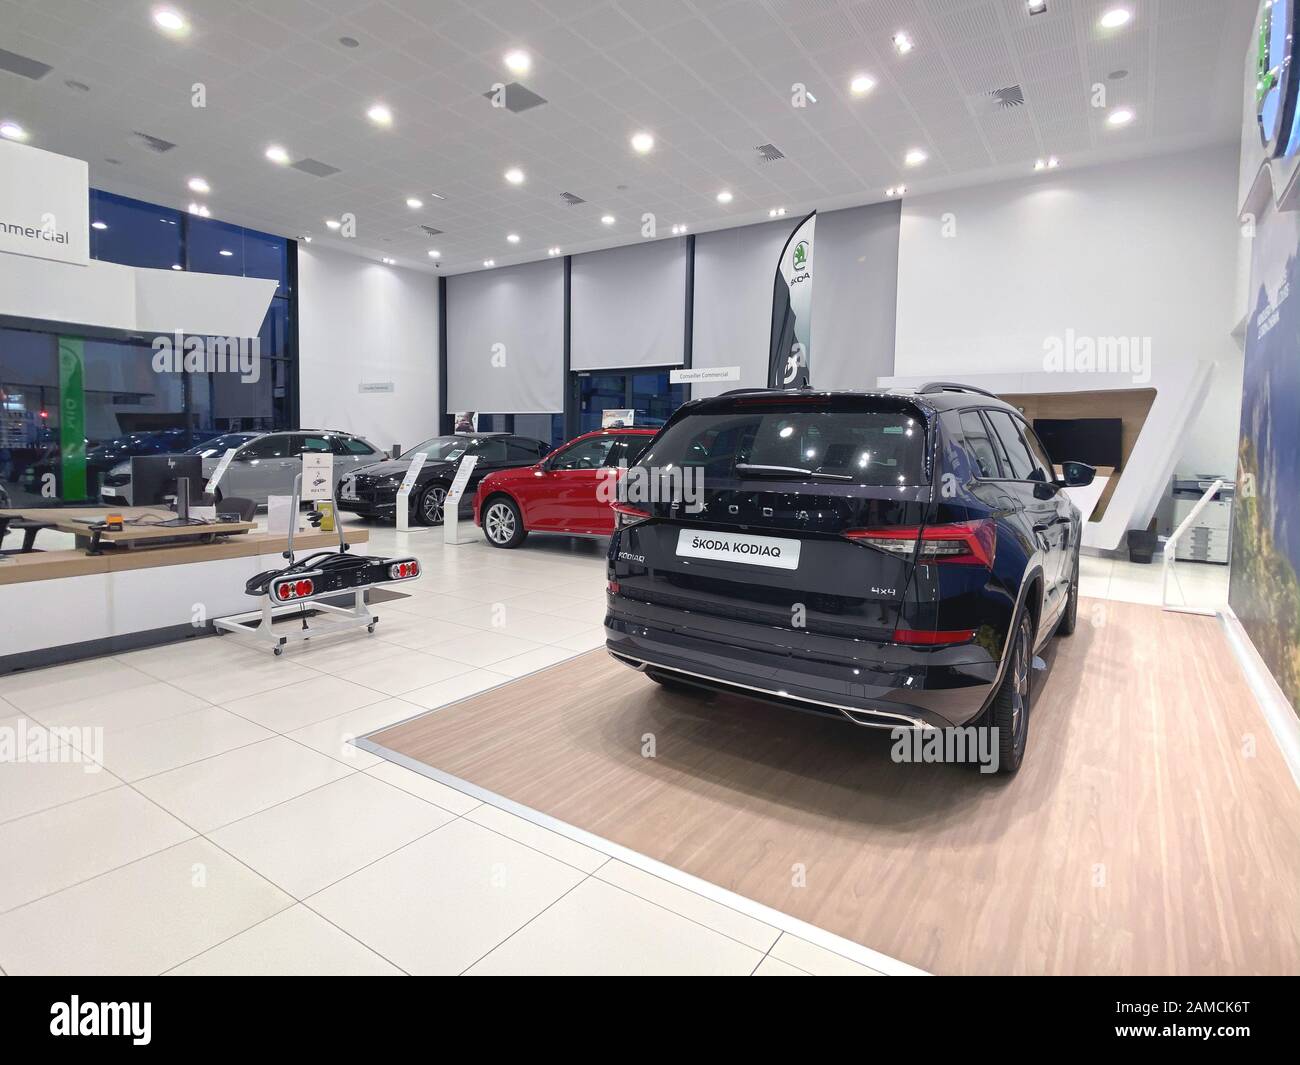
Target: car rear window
{"points": [[854, 446]]}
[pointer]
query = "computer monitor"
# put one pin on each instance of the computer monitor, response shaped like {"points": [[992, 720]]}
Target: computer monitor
{"points": [[154, 477]]}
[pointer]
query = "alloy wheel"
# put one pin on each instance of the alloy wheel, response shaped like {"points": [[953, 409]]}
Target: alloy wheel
{"points": [[431, 505], [1020, 687], [500, 523]]}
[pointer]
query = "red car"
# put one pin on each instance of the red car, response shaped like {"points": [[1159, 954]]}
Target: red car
{"points": [[558, 494]]}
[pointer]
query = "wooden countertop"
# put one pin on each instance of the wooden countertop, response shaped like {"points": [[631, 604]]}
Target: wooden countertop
{"points": [[48, 565], [65, 519]]}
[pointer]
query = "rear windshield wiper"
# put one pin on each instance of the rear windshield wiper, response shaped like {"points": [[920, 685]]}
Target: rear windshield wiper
{"points": [[758, 470]]}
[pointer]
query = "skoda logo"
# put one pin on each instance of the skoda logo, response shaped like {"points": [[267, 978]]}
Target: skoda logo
{"points": [[801, 255], [1275, 88]]}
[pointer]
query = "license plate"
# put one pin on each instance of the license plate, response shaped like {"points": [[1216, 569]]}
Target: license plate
{"points": [[775, 552]]}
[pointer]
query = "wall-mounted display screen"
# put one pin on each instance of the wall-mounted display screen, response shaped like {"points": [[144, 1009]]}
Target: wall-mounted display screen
{"points": [[1096, 441]]}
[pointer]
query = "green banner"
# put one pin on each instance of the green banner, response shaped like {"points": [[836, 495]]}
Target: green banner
{"points": [[72, 416]]}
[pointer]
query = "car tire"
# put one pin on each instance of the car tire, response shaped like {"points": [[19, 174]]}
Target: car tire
{"points": [[503, 524], [428, 510], [1008, 713], [1070, 616]]}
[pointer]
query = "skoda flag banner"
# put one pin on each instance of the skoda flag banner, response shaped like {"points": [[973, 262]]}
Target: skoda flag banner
{"points": [[788, 357]]}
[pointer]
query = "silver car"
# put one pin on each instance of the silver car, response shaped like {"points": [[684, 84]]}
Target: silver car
{"points": [[267, 466], [115, 488]]}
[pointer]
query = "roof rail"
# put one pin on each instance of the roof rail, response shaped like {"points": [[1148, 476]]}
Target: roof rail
{"points": [[930, 387]]}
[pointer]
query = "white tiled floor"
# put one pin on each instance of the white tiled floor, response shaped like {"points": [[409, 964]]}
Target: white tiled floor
{"points": [[230, 825]]}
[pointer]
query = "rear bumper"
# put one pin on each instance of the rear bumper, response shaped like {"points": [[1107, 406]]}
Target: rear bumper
{"points": [[875, 684]]}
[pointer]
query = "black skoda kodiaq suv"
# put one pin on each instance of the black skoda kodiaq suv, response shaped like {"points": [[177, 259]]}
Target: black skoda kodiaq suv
{"points": [[892, 558]]}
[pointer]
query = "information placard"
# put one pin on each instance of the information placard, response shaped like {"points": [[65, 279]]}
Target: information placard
{"points": [[412, 474], [220, 471], [317, 475], [451, 533]]}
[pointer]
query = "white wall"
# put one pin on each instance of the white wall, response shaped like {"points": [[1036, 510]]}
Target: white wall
{"points": [[1140, 249], [363, 322]]}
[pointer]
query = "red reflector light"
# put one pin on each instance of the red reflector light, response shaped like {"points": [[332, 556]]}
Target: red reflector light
{"points": [[298, 589], [612, 587], [962, 543], [625, 515], [404, 571], [933, 637]]}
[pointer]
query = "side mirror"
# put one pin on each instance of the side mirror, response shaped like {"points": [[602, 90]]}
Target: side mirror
{"points": [[1077, 474]]}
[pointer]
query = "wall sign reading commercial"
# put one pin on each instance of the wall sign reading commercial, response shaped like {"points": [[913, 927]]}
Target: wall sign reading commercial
{"points": [[703, 375], [44, 204]]}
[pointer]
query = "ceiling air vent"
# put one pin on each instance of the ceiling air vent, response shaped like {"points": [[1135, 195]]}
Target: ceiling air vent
{"points": [[998, 101], [23, 66], [151, 143], [315, 167], [571, 199], [517, 98], [769, 153]]}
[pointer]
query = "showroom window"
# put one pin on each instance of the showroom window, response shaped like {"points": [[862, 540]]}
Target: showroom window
{"points": [[76, 402], [647, 392]]}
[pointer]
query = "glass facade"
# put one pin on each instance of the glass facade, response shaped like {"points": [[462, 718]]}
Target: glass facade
{"points": [[75, 402], [647, 392]]}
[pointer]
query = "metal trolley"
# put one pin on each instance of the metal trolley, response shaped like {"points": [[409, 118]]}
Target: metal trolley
{"points": [[305, 583]]}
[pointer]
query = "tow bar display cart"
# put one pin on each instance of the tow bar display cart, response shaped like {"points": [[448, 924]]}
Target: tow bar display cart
{"points": [[303, 584]]}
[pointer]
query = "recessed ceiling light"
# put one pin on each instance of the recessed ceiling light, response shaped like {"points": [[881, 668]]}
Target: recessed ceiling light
{"points": [[380, 115], [1053, 162], [177, 266], [1037, 7], [199, 209], [277, 154], [1121, 116], [12, 131], [776, 212], [896, 190], [518, 61], [903, 43], [725, 196], [489, 262], [197, 184], [387, 261], [332, 223], [1115, 18], [226, 252], [607, 219], [349, 42], [513, 238], [98, 225], [514, 175], [434, 253], [642, 142], [414, 203], [861, 84], [305, 239], [916, 156], [552, 251], [171, 21]]}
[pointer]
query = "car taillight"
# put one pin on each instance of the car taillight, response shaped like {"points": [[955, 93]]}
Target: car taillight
{"points": [[963, 543], [612, 587], [933, 637], [626, 516], [404, 571], [300, 588]]}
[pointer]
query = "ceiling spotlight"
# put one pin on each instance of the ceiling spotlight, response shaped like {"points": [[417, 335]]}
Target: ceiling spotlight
{"points": [[1121, 116], [642, 142], [414, 203], [518, 61], [515, 176], [170, 21], [1053, 162], [725, 196], [1115, 18], [98, 225], [380, 115], [277, 154], [434, 253], [607, 219], [226, 252], [552, 251], [305, 239], [197, 184], [199, 209], [896, 190], [387, 261], [177, 266], [1037, 7], [12, 131], [916, 156], [332, 223], [776, 212], [489, 262], [513, 238], [903, 43], [861, 84]]}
